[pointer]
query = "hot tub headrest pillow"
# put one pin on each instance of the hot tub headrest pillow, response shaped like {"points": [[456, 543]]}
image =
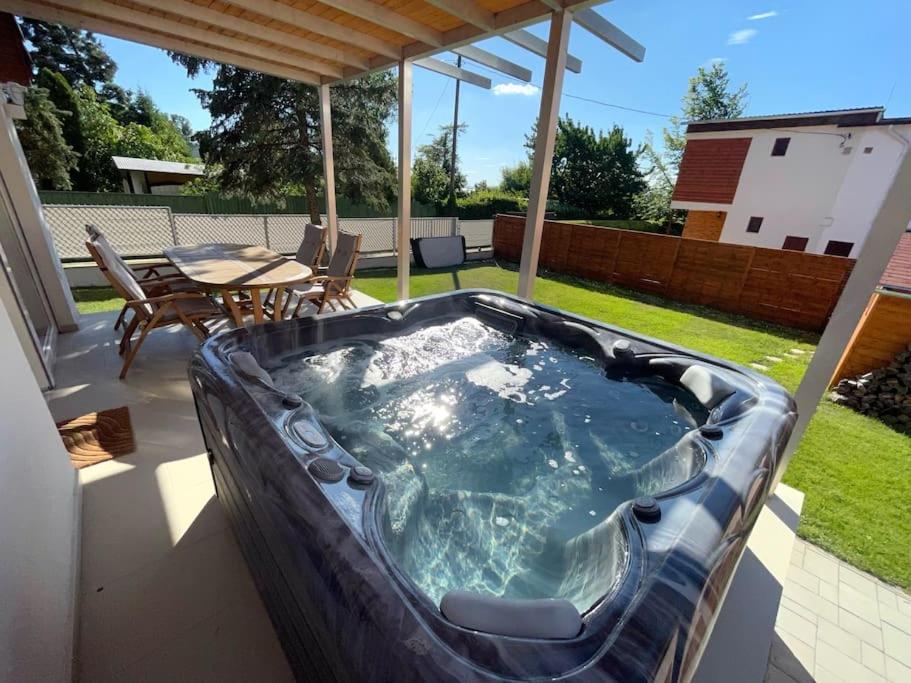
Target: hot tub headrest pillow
{"points": [[246, 364], [706, 385], [551, 618]]}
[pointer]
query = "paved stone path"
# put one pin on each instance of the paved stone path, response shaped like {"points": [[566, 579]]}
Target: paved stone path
{"points": [[837, 623]]}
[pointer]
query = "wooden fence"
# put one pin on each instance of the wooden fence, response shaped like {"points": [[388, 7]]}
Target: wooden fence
{"points": [[883, 333], [785, 287]]}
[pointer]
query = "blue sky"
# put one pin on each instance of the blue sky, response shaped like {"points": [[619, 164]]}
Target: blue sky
{"points": [[794, 56]]}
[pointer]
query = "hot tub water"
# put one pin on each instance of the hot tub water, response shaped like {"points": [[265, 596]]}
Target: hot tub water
{"points": [[499, 454]]}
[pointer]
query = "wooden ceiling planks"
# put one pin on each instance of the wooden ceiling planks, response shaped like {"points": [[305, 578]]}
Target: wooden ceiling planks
{"points": [[356, 42]]}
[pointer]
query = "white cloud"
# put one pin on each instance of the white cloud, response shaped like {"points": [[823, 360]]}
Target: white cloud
{"points": [[763, 15], [742, 36], [526, 89]]}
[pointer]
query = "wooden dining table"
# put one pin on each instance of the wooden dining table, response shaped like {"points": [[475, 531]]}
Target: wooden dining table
{"points": [[238, 269]]}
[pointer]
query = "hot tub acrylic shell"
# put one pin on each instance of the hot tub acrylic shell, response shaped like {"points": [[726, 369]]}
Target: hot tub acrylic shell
{"points": [[342, 608]]}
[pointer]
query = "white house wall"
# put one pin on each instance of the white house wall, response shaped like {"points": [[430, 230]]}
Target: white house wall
{"points": [[864, 187], [39, 525], [814, 191]]}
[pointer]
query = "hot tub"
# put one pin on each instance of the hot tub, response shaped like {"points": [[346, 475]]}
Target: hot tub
{"points": [[475, 487]]}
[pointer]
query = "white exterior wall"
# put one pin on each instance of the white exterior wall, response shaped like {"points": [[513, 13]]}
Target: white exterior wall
{"points": [[864, 186], [39, 528], [814, 191]]}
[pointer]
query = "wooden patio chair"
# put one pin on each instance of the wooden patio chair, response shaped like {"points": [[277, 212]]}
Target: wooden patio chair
{"points": [[154, 278], [191, 309], [333, 287], [309, 253], [313, 246]]}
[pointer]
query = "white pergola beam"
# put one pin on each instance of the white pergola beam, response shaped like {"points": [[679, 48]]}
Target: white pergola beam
{"points": [[468, 11], [290, 15], [888, 226], [532, 43], [441, 67], [507, 21], [393, 21], [601, 28], [250, 29], [403, 228], [325, 122], [33, 10], [548, 115], [495, 62]]}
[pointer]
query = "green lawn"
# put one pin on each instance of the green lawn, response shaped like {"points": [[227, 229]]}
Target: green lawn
{"points": [[855, 471]]}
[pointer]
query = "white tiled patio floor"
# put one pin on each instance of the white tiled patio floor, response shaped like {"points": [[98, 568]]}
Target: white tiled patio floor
{"points": [[165, 593], [839, 624]]}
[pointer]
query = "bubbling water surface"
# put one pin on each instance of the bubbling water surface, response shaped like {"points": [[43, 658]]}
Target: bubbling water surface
{"points": [[503, 457]]}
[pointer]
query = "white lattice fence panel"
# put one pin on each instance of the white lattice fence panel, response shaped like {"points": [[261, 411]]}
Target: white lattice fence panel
{"points": [[196, 228], [132, 230], [433, 227], [477, 233], [286, 231], [378, 234]]}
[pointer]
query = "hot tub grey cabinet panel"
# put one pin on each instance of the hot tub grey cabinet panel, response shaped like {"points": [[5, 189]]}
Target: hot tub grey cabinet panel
{"points": [[343, 608]]}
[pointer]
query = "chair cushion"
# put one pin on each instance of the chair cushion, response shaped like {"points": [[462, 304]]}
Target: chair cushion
{"points": [[175, 285], [120, 271], [192, 307], [308, 289]]}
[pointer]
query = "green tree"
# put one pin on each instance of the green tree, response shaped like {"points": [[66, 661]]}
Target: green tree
{"points": [[591, 171], [50, 159], [65, 99], [265, 135], [102, 133], [431, 170], [653, 204], [75, 54], [516, 179], [708, 96]]}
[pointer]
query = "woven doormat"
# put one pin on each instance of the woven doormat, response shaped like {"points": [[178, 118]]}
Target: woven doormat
{"points": [[97, 437]]}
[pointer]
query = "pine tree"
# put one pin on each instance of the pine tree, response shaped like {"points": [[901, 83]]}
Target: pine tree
{"points": [[41, 137], [76, 54], [709, 96], [265, 135]]}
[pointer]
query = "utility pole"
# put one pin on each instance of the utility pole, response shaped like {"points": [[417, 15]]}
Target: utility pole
{"points": [[455, 135]]}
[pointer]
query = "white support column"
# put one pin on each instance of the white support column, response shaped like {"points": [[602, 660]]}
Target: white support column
{"points": [[890, 223], [325, 122], [403, 262], [557, 42]]}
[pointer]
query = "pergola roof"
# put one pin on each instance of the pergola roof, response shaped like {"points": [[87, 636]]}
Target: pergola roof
{"points": [[314, 42]]}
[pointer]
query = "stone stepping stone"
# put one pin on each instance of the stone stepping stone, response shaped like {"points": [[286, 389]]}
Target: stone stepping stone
{"points": [[799, 352], [773, 359], [759, 366]]}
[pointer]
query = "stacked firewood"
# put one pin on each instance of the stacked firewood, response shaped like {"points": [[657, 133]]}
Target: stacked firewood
{"points": [[884, 393]]}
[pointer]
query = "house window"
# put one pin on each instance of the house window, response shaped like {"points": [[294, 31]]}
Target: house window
{"points": [[780, 148], [836, 248], [795, 243], [754, 224]]}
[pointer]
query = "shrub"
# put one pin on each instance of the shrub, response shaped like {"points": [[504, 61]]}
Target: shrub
{"points": [[488, 203]]}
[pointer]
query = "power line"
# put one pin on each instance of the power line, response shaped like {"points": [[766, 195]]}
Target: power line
{"points": [[617, 106], [434, 111], [584, 99]]}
